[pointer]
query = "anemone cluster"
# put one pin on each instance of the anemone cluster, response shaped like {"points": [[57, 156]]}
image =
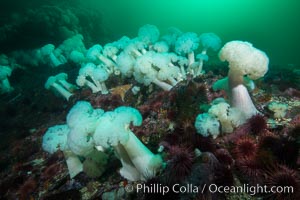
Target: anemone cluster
{"points": [[187, 154], [172, 123], [148, 58], [88, 129]]}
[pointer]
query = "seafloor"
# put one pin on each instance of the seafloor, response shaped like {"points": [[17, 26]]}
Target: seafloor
{"points": [[28, 172], [219, 149]]}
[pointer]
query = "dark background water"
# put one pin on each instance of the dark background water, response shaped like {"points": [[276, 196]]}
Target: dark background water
{"points": [[271, 25]]}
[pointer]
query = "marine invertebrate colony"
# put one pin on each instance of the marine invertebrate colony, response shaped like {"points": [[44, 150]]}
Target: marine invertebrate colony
{"points": [[244, 60], [59, 84], [104, 136], [88, 128], [113, 130]]}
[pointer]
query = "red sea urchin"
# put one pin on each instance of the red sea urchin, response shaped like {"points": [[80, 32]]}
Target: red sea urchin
{"points": [[283, 179], [254, 125], [284, 149], [257, 124], [250, 168], [245, 147], [181, 160]]}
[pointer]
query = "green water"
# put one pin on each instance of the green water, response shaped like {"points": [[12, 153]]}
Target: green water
{"points": [[271, 25]]}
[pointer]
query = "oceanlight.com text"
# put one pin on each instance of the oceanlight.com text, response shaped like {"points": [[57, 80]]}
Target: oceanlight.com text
{"points": [[212, 188]]}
